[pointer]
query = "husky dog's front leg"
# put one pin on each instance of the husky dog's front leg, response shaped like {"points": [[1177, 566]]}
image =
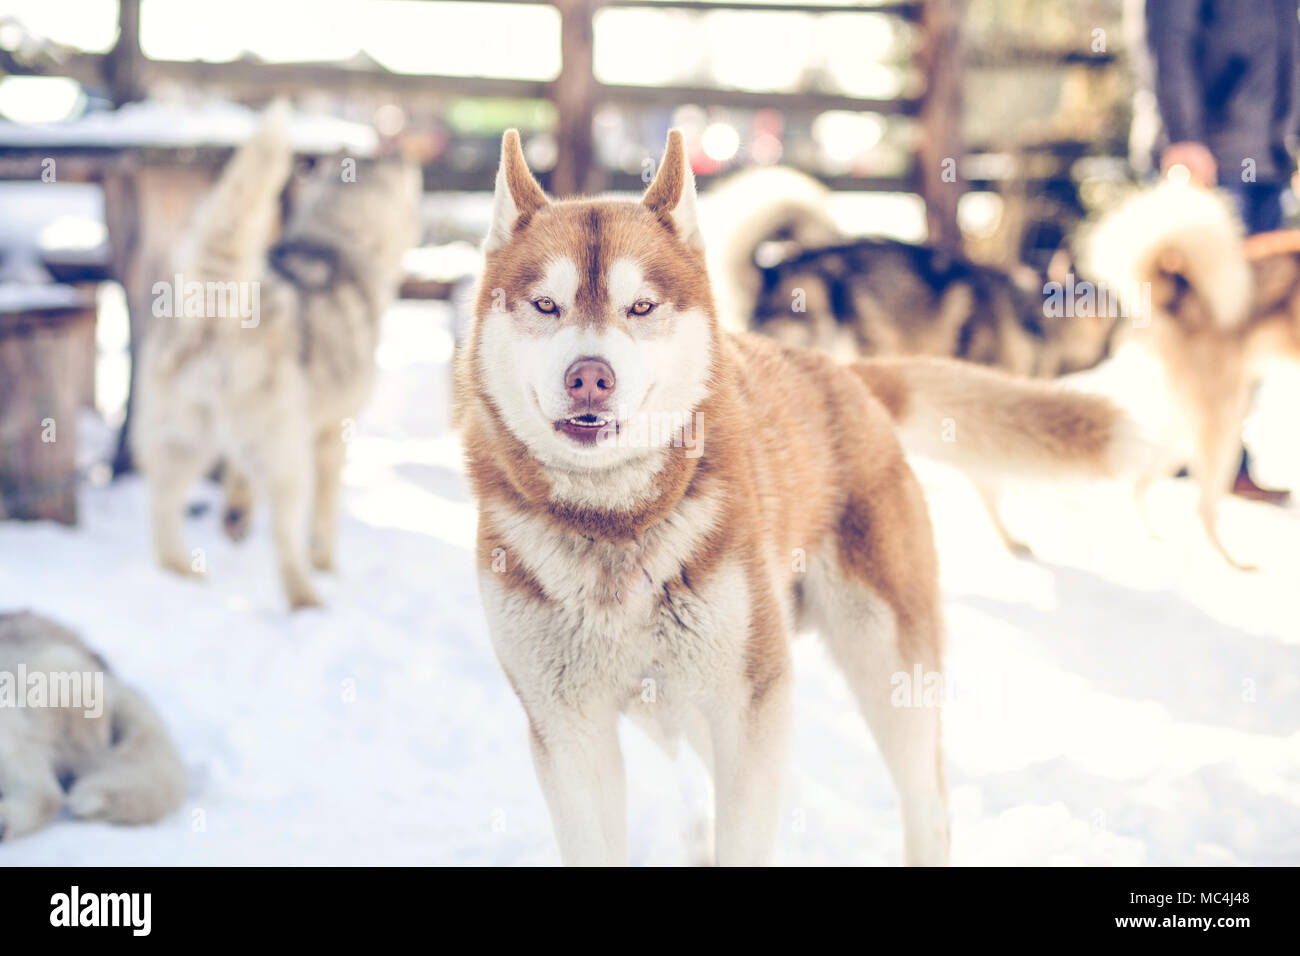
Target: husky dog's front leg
{"points": [[572, 728], [750, 738], [580, 768]]}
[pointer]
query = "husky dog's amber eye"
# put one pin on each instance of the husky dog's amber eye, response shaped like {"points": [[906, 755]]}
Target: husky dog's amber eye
{"points": [[546, 305], [642, 307]]}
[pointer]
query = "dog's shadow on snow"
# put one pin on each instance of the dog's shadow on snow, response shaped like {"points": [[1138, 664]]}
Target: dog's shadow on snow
{"points": [[1195, 666]]}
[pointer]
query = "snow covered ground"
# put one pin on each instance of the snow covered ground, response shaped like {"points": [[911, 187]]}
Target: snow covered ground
{"points": [[1118, 700]]}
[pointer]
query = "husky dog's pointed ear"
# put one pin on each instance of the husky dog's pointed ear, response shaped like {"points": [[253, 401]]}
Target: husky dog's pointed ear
{"points": [[672, 194], [517, 193]]}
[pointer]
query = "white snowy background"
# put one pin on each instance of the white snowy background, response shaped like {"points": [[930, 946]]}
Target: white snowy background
{"points": [[1116, 700]]}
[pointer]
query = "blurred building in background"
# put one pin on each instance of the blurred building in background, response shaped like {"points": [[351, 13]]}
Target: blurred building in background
{"points": [[981, 125]]}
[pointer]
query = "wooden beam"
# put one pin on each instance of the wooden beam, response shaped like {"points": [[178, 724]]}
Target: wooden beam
{"points": [[123, 64], [806, 101], [254, 78], [939, 137], [574, 94], [266, 78], [907, 10], [251, 76]]}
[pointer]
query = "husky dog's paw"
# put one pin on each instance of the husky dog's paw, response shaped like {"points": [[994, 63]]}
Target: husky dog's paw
{"points": [[1019, 549], [236, 522], [322, 558], [87, 801], [303, 597], [114, 798], [182, 565]]}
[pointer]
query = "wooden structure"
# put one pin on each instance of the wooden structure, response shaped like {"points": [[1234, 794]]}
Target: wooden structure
{"points": [[125, 73], [151, 188], [46, 361], [149, 193]]}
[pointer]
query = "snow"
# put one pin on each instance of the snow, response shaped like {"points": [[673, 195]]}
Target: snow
{"points": [[1117, 700]]}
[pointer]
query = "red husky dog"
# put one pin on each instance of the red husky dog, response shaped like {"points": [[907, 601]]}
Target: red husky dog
{"points": [[662, 505]]}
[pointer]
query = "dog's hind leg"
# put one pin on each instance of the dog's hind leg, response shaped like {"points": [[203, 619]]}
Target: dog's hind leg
{"points": [[989, 498], [1218, 452], [876, 604], [868, 645], [1217, 401], [330, 455], [237, 515]]}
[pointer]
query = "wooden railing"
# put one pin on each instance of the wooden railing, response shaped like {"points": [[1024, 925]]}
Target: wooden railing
{"points": [[125, 72]]}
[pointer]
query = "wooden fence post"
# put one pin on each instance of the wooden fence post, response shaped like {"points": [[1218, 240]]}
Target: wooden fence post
{"points": [[574, 93], [939, 146], [122, 64]]}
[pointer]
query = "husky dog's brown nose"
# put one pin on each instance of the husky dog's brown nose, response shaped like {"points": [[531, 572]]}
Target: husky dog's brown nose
{"points": [[590, 381]]}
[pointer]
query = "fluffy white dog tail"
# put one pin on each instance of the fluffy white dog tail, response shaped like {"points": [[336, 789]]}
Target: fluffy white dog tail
{"points": [[236, 221], [749, 210], [1173, 230]]}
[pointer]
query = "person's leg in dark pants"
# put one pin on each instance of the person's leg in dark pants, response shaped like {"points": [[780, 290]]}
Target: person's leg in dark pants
{"points": [[1260, 204]]}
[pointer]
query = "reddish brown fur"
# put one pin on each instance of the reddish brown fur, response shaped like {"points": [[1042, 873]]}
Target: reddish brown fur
{"points": [[799, 457]]}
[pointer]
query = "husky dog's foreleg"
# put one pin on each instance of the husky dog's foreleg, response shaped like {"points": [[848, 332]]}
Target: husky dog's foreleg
{"points": [[286, 457], [139, 779], [750, 745], [29, 793], [289, 490], [580, 768], [171, 469], [236, 516], [330, 455]]}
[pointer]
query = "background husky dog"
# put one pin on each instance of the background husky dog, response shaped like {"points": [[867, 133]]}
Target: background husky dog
{"points": [[870, 296], [786, 270], [271, 398], [663, 576], [1219, 305], [119, 766]]}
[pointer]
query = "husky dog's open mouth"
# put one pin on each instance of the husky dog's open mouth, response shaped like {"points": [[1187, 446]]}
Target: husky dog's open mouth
{"points": [[589, 428]]}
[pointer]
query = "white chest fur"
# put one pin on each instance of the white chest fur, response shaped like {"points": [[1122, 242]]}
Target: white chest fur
{"points": [[617, 622]]}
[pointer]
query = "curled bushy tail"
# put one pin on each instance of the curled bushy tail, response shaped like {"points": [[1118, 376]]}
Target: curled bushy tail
{"points": [[1173, 231], [987, 422], [751, 208], [236, 221]]}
